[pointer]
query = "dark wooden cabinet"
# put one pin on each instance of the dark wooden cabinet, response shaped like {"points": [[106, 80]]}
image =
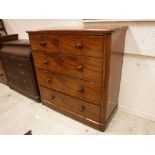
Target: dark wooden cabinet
{"points": [[18, 64], [79, 71], [9, 37], [3, 78]]}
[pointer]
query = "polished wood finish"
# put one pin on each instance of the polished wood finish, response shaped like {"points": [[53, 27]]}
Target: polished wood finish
{"points": [[80, 76], [81, 89], [47, 43], [74, 66], [18, 64], [78, 30], [71, 104], [82, 45], [115, 63], [68, 44]]}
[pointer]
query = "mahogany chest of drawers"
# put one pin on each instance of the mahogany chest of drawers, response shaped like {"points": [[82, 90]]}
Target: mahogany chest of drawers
{"points": [[18, 65], [79, 71]]}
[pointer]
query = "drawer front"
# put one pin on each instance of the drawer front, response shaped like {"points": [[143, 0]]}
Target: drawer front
{"points": [[49, 43], [84, 90], [82, 45], [71, 104], [75, 66], [2, 74]]}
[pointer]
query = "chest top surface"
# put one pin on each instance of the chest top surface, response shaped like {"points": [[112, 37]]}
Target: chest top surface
{"points": [[78, 30]]}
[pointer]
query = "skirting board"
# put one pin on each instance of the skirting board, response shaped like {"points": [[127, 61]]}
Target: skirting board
{"points": [[137, 113]]}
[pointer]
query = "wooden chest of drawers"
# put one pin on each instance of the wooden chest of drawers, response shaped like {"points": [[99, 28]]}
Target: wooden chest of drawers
{"points": [[18, 64], [79, 71]]}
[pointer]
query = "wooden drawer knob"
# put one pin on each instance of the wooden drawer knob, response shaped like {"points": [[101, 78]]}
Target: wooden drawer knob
{"points": [[42, 43], [1, 74], [45, 62], [80, 68], [82, 109], [52, 97], [49, 80], [79, 46], [81, 90]]}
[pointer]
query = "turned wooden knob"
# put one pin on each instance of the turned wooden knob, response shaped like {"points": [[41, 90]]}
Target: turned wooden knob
{"points": [[49, 80], [80, 68], [81, 90], [52, 97], [82, 108], [42, 43], [45, 62], [78, 46]]}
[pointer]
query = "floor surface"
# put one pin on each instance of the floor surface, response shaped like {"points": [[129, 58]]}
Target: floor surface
{"points": [[18, 114]]}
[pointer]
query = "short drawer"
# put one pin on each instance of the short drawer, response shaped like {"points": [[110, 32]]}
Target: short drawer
{"points": [[71, 104], [49, 43], [82, 45], [81, 89], [74, 66]]}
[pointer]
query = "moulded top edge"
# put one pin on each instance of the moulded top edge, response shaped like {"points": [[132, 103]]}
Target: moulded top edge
{"points": [[108, 29]]}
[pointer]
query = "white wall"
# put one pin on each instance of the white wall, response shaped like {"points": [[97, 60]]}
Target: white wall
{"points": [[137, 91], [21, 25]]}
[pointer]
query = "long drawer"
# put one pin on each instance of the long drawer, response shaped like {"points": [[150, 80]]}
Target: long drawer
{"points": [[71, 104], [75, 66], [81, 89]]}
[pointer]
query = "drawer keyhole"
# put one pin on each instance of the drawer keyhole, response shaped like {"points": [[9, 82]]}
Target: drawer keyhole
{"points": [[1, 74]]}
